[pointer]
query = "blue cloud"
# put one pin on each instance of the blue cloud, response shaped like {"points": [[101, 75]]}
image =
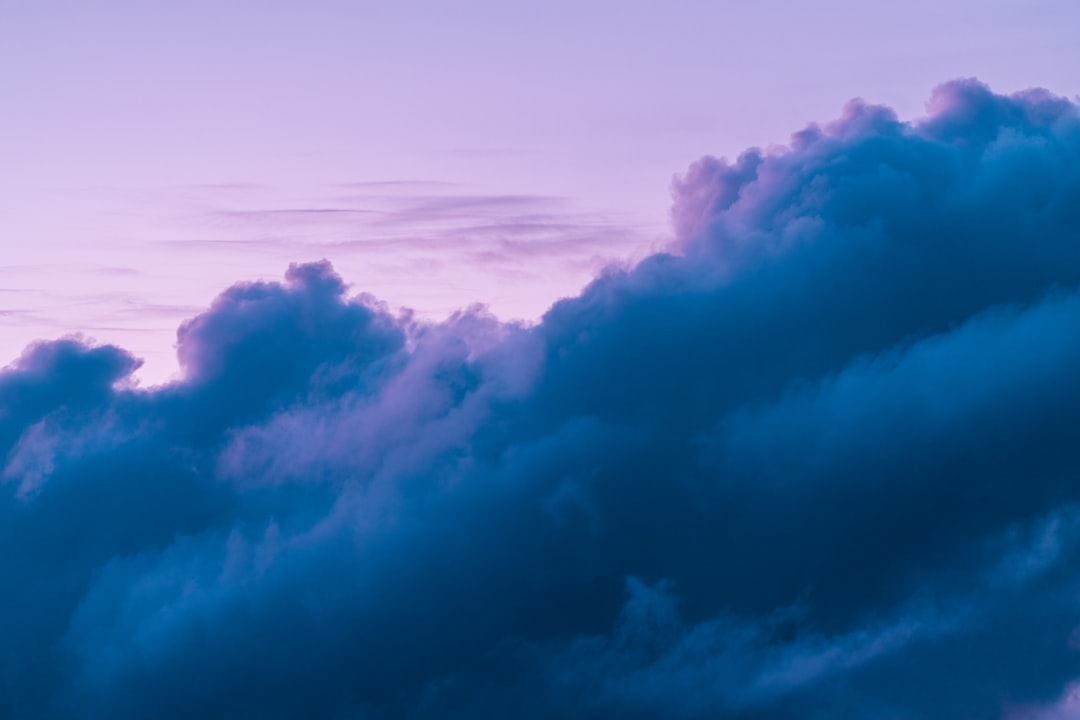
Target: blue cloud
{"points": [[817, 460]]}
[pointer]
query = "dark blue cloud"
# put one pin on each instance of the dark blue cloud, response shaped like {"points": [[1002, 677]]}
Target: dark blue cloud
{"points": [[818, 460]]}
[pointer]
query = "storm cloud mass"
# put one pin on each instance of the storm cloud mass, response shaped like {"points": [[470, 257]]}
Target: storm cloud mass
{"points": [[819, 460]]}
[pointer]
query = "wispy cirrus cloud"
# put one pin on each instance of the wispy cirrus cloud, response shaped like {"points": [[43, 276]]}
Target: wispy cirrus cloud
{"points": [[513, 252]]}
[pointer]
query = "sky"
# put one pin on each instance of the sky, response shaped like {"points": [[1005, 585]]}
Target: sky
{"points": [[594, 361], [440, 154]]}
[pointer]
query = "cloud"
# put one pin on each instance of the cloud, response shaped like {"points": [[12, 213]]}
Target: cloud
{"points": [[815, 460], [503, 230], [442, 247]]}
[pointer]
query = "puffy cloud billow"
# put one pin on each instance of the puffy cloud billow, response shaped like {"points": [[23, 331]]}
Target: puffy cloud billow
{"points": [[819, 460]]}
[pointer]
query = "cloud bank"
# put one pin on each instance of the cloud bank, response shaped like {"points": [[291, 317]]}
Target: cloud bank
{"points": [[819, 460]]}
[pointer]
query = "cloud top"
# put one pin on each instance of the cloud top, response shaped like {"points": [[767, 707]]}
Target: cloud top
{"points": [[816, 460]]}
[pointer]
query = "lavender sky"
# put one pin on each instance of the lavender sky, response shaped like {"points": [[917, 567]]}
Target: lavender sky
{"points": [[440, 154]]}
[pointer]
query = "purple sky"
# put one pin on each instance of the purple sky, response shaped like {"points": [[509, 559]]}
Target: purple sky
{"points": [[438, 153]]}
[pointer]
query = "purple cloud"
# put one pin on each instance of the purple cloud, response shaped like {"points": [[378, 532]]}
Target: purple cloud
{"points": [[815, 461]]}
